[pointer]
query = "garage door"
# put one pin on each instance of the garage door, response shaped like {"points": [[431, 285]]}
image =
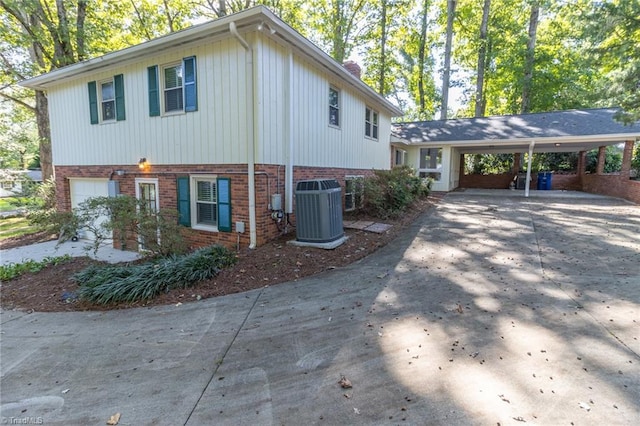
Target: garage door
{"points": [[81, 189]]}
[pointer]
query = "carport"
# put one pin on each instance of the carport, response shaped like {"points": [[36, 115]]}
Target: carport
{"points": [[436, 148]]}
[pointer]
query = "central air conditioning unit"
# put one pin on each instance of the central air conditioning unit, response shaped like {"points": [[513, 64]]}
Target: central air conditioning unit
{"points": [[318, 211]]}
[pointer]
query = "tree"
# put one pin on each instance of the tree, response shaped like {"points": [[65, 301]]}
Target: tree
{"points": [[383, 42], [38, 36], [614, 29], [482, 58], [338, 25], [446, 73], [530, 57]]}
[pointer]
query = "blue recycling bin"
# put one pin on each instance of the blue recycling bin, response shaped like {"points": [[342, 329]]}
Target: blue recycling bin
{"points": [[544, 181]]}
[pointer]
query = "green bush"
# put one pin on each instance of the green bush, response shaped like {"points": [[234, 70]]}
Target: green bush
{"points": [[389, 192], [14, 270], [130, 283]]}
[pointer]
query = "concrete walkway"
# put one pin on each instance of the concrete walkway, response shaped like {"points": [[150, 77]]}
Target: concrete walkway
{"points": [[40, 251], [489, 310]]}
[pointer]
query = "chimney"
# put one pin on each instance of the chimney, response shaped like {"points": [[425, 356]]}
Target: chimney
{"points": [[353, 68]]}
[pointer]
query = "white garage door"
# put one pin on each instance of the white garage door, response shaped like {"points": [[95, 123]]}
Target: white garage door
{"points": [[81, 189]]}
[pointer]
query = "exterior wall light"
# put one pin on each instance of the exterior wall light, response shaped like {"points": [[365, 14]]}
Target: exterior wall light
{"points": [[143, 164]]}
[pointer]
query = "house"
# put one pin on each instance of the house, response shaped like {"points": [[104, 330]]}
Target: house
{"points": [[436, 149], [217, 121], [12, 181]]}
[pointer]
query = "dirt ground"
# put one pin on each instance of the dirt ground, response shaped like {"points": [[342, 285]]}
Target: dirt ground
{"points": [[267, 265]]}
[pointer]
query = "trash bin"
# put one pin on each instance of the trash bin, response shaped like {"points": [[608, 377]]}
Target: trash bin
{"points": [[544, 181]]}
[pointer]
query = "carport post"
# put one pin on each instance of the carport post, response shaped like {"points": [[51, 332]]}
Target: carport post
{"points": [[528, 181]]}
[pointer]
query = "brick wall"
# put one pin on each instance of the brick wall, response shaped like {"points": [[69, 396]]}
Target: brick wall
{"points": [[270, 179], [565, 181], [498, 181], [614, 185]]}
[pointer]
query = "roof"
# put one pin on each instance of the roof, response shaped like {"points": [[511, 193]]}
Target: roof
{"points": [[246, 21], [575, 129]]}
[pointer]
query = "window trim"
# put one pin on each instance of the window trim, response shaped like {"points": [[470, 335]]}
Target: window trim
{"points": [[371, 123], [102, 101], [438, 169], [163, 87], [193, 202], [403, 155], [336, 107]]}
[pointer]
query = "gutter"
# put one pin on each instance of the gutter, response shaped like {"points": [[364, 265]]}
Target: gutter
{"points": [[250, 79]]}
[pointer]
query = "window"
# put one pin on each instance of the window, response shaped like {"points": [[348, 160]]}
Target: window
{"points": [[204, 202], [108, 101], [173, 88], [109, 106], [176, 87], [430, 163], [353, 192], [334, 107], [7, 184], [401, 156], [370, 123]]}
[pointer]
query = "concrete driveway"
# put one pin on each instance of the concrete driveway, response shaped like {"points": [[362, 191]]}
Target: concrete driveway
{"points": [[489, 310]]}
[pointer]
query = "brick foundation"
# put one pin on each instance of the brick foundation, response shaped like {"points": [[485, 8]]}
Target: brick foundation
{"points": [[270, 179]]}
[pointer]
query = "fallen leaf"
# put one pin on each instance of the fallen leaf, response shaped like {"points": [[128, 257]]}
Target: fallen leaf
{"points": [[113, 420], [345, 383]]}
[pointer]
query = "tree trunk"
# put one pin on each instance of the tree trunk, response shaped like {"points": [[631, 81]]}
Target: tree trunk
{"points": [[529, 58], [482, 55], [383, 45], [44, 134], [80, 44], [451, 10], [422, 50]]}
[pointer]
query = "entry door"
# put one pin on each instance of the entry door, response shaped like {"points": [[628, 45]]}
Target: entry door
{"points": [[147, 193]]}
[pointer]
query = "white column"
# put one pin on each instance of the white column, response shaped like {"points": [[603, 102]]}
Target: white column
{"points": [[528, 181]]}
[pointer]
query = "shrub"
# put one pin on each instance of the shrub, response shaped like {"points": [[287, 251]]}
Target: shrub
{"points": [[124, 217], [389, 192], [130, 283]]}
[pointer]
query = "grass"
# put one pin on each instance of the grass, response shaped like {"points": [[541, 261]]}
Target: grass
{"points": [[11, 203], [16, 227]]}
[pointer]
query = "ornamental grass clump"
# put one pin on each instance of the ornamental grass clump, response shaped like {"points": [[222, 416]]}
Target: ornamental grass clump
{"points": [[131, 283]]}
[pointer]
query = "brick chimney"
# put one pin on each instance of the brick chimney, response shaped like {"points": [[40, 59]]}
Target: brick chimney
{"points": [[353, 68]]}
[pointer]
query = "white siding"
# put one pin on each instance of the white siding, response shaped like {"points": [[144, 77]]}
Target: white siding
{"points": [[217, 132], [316, 143], [214, 134], [444, 184]]}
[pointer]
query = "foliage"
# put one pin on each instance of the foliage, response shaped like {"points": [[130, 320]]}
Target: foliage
{"points": [[14, 270], [612, 162], [635, 160], [613, 28], [123, 217], [130, 283], [554, 161], [389, 192], [488, 164]]}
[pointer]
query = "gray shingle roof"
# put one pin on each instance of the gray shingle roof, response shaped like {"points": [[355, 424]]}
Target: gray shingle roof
{"points": [[516, 127]]}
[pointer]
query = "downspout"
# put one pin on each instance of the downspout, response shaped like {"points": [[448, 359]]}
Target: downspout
{"points": [[528, 181], [289, 117], [250, 76]]}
